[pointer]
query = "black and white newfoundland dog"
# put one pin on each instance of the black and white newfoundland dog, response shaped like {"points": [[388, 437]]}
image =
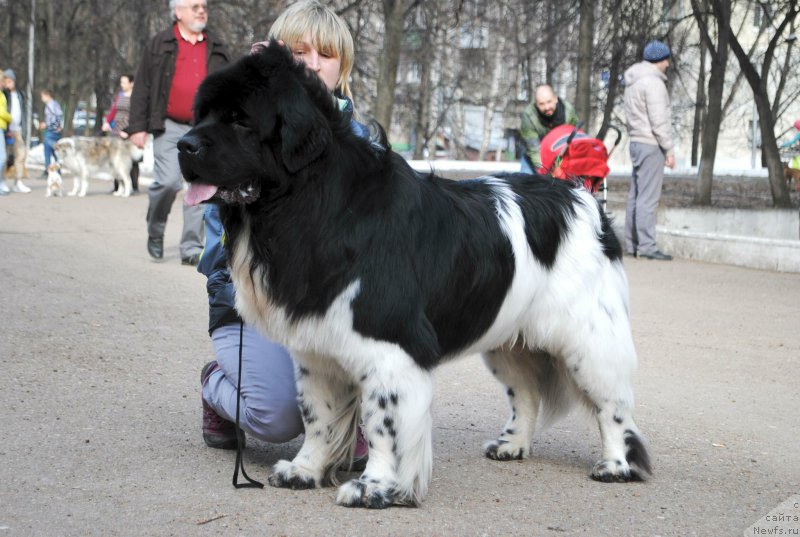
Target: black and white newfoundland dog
{"points": [[371, 274]]}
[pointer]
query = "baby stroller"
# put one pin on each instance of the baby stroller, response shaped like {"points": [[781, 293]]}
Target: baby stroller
{"points": [[570, 154]]}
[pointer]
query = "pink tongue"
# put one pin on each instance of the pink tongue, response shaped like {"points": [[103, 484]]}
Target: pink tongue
{"points": [[198, 193]]}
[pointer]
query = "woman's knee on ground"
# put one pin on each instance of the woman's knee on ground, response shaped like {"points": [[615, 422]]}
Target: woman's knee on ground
{"points": [[278, 423]]}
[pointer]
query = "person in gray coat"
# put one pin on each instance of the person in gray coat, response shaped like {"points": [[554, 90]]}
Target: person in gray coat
{"points": [[648, 113]]}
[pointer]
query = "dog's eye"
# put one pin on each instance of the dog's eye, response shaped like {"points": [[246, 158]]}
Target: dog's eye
{"points": [[239, 120]]}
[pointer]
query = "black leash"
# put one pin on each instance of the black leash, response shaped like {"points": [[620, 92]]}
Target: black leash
{"points": [[251, 483]]}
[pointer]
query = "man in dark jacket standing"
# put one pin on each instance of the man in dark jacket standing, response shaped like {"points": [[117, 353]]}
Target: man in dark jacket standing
{"points": [[173, 65]]}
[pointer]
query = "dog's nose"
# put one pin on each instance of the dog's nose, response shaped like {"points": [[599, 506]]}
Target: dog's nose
{"points": [[189, 144]]}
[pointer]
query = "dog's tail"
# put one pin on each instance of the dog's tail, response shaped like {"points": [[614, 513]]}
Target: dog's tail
{"points": [[66, 141], [62, 145]]}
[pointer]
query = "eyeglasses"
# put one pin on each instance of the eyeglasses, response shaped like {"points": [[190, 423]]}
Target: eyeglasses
{"points": [[197, 8]]}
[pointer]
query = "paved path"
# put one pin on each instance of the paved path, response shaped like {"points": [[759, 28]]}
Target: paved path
{"points": [[101, 350]]}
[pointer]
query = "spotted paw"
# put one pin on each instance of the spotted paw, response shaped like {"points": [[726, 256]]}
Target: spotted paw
{"points": [[614, 472], [503, 450], [369, 493], [290, 476]]}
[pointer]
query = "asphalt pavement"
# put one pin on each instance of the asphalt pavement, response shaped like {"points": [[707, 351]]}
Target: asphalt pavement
{"points": [[101, 350]]}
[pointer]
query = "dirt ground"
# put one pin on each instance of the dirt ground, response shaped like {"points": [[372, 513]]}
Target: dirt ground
{"points": [[679, 190], [726, 192], [101, 350]]}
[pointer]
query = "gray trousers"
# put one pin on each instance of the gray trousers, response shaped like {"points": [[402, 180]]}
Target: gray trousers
{"points": [[643, 195], [268, 403], [167, 182]]}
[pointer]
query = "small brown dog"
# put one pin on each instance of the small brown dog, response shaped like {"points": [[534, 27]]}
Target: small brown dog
{"points": [[792, 176], [55, 184]]}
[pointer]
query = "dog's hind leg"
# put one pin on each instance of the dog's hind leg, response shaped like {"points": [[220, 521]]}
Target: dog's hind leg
{"points": [[84, 185], [76, 185], [532, 381], [329, 406], [121, 172], [601, 361], [396, 405]]}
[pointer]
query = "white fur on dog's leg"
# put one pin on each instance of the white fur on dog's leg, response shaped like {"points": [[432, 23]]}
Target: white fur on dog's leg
{"points": [[625, 456], [396, 409], [516, 369], [329, 406], [286, 474], [602, 368], [366, 492]]}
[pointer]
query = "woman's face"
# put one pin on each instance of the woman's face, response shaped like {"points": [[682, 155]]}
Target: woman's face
{"points": [[125, 84], [327, 68]]}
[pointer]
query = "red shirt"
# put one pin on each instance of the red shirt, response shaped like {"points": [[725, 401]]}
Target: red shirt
{"points": [[190, 70]]}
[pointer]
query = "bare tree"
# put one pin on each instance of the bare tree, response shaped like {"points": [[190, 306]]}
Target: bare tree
{"points": [[627, 26], [394, 12], [583, 91], [757, 80], [700, 99], [719, 61]]}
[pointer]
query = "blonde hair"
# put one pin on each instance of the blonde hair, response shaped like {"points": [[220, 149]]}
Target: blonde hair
{"points": [[329, 35]]}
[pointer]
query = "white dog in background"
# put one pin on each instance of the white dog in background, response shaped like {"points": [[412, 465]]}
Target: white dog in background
{"points": [[54, 181], [105, 158]]}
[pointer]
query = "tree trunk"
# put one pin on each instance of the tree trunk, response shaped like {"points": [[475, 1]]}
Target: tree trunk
{"points": [[716, 87], [423, 119], [699, 104], [583, 97], [614, 68], [552, 52], [769, 145], [494, 90], [394, 15]]}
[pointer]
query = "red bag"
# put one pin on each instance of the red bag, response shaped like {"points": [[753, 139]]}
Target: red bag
{"points": [[584, 158]]}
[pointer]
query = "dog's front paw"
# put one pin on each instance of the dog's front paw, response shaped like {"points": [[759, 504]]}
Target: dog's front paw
{"points": [[504, 450], [288, 475], [362, 492], [615, 472]]}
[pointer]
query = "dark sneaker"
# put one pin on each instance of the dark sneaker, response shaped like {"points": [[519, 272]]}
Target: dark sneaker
{"points": [[218, 433], [360, 454], [657, 255]]}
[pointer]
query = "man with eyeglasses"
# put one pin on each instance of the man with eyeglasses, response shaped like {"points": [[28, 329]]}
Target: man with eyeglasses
{"points": [[173, 65]]}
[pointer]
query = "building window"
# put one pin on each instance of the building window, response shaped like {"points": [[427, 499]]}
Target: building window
{"points": [[414, 73], [474, 36]]}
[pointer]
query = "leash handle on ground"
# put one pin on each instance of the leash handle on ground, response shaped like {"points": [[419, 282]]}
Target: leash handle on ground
{"points": [[251, 483]]}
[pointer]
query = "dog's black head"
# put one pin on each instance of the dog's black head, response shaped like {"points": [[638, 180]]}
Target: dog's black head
{"points": [[260, 121]]}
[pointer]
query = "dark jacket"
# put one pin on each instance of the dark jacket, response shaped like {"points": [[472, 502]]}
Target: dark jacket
{"points": [[214, 260], [154, 79]]}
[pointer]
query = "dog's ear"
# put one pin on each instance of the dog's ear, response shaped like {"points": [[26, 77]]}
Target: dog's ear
{"points": [[305, 134], [304, 131]]}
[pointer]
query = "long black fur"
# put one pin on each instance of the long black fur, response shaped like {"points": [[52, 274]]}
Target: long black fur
{"points": [[317, 236], [371, 274]]}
